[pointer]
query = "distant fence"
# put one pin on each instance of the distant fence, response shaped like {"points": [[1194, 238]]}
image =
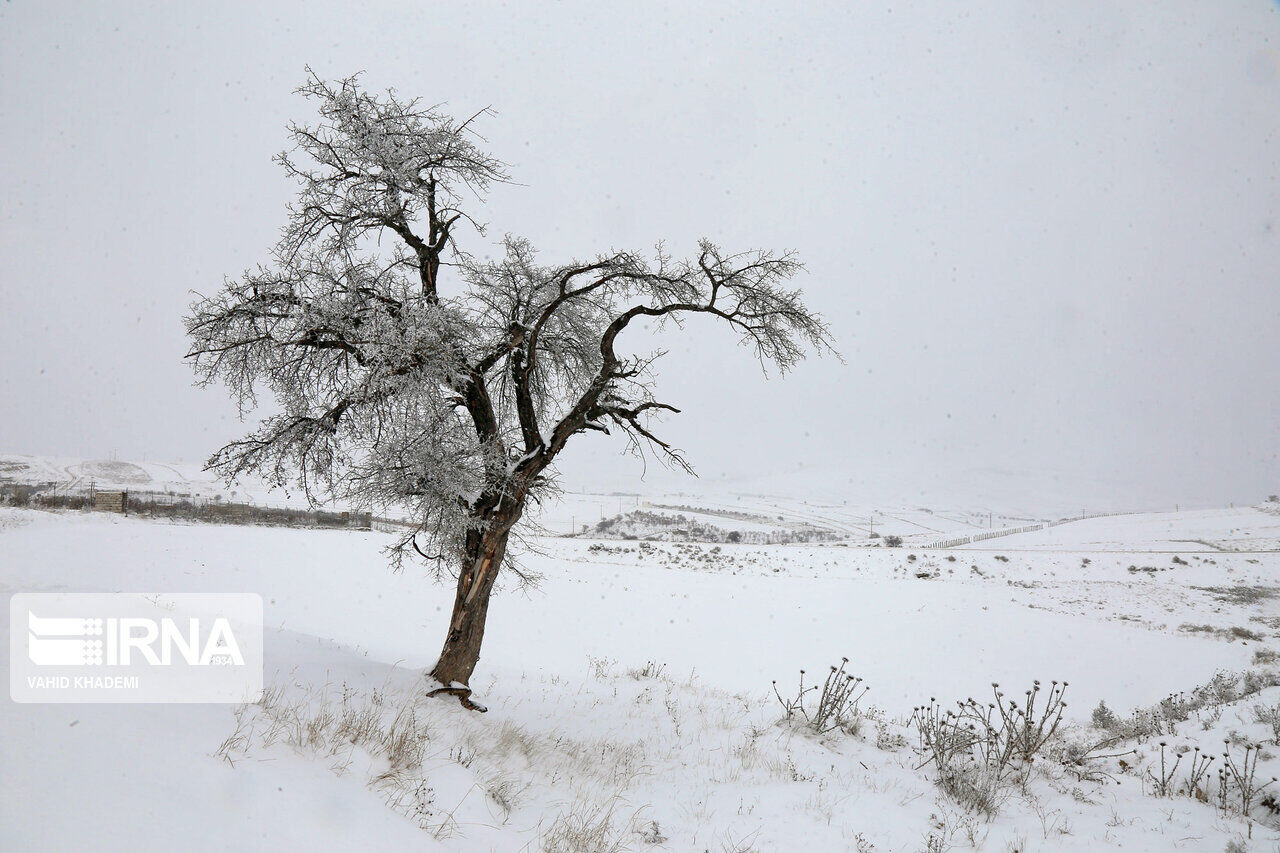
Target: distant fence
{"points": [[951, 543], [982, 537], [1010, 531], [1085, 515]]}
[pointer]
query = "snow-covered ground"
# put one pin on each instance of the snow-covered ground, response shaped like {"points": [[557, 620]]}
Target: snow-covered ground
{"points": [[629, 693]]}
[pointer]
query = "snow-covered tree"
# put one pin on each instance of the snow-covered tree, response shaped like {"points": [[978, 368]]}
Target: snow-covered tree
{"points": [[408, 373]]}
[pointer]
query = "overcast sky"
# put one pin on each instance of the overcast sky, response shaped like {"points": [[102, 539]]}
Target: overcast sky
{"points": [[1047, 236]]}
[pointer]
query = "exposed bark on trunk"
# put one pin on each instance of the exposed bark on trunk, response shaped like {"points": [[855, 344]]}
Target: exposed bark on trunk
{"points": [[461, 650]]}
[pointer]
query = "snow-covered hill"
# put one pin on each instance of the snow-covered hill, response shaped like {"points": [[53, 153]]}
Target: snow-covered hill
{"points": [[66, 474]]}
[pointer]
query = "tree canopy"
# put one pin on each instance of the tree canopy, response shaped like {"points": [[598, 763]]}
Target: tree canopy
{"points": [[410, 373]]}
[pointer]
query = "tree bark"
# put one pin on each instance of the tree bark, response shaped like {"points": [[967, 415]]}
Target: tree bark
{"points": [[461, 650]]}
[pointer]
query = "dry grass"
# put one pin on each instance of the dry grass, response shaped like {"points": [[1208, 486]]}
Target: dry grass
{"points": [[1241, 593], [586, 826], [568, 776]]}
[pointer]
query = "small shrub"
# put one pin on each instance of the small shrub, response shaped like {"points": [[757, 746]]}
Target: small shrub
{"points": [[1265, 657], [506, 794], [1269, 716], [893, 541], [651, 669], [651, 833], [1104, 718], [889, 739], [974, 786], [1256, 680]]}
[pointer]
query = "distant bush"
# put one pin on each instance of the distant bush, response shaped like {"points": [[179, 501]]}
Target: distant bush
{"points": [[222, 513], [640, 524], [893, 541], [39, 496], [1235, 632], [1263, 657], [62, 501]]}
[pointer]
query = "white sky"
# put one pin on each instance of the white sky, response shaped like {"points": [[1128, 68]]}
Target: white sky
{"points": [[1047, 236]]}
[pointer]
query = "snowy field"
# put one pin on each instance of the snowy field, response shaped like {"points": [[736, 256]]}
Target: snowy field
{"points": [[629, 692]]}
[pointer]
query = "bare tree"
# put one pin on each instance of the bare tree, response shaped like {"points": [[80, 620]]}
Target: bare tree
{"points": [[453, 404]]}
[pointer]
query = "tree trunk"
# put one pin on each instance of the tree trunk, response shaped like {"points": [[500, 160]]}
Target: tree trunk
{"points": [[461, 649]]}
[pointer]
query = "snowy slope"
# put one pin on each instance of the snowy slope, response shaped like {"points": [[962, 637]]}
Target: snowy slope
{"points": [[1229, 529]]}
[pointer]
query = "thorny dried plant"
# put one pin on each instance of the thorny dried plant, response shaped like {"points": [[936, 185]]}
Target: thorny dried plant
{"points": [[1238, 779], [979, 749], [838, 698], [1162, 784]]}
